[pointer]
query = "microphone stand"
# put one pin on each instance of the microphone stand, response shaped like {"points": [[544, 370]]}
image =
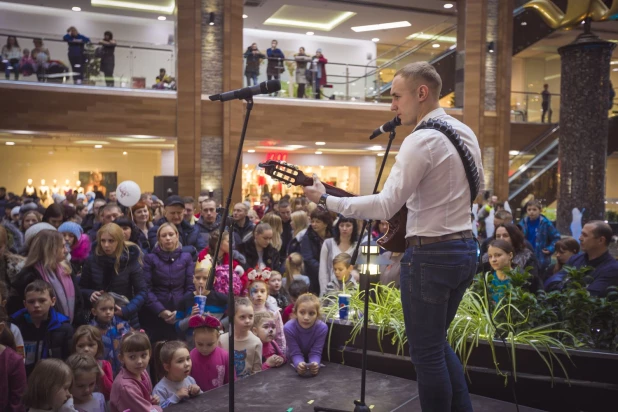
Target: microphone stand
{"points": [[230, 224], [360, 405]]}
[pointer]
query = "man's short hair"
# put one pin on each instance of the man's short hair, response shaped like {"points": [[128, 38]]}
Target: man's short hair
{"points": [[244, 206], [534, 203], [206, 201], [504, 215], [40, 286], [422, 73], [283, 203], [601, 228], [188, 200], [112, 206]]}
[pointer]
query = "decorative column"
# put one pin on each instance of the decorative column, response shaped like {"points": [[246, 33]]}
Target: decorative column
{"points": [[584, 100]]}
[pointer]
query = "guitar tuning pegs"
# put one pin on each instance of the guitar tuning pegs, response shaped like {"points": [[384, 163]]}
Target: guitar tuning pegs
{"points": [[289, 185], [284, 162]]}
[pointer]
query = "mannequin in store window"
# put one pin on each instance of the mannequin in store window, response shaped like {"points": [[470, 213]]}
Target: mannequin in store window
{"points": [[67, 189], [44, 193], [29, 190], [78, 187], [55, 189]]}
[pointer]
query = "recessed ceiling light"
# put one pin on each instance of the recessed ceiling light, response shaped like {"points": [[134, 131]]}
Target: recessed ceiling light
{"points": [[310, 33], [448, 6], [122, 4], [124, 153], [523, 23], [278, 19], [375, 148], [161, 18], [10, 143], [513, 152], [375, 40], [251, 150], [382, 26], [98, 146], [318, 152], [320, 143], [244, 16], [435, 45], [380, 154], [426, 36], [615, 70], [76, 8]]}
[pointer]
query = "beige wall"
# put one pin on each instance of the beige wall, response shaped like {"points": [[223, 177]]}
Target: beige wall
{"points": [[65, 163]]}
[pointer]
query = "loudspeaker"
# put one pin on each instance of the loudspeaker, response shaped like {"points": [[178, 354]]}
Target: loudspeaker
{"points": [[165, 186]]}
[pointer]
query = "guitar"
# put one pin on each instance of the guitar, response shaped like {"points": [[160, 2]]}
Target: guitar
{"points": [[394, 240]]}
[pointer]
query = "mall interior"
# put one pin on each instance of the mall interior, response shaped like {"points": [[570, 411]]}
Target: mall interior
{"points": [[535, 80]]}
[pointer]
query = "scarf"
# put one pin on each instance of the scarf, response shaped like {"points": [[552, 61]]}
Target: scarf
{"points": [[62, 283]]}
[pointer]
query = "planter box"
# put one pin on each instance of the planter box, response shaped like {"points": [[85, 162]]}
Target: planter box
{"points": [[592, 385]]}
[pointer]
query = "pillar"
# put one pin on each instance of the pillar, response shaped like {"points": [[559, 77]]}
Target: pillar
{"points": [[582, 155]]}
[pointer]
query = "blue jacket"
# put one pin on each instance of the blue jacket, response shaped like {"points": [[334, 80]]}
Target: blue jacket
{"points": [[546, 237], [76, 49], [51, 340], [205, 229], [98, 273], [605, 273], [190, 238]]}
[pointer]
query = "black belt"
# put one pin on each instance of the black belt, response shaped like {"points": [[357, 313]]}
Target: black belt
{"points": [[428, 240]]}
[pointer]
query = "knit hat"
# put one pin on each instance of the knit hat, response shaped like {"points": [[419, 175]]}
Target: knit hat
{"points": [[319, 50], [81, 196], [60, 198], [72, 228], [27, 207], [15, 210], [90, 195], [35, 229]]}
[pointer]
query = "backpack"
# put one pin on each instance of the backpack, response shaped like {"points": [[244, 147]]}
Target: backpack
{"points": [[222, 280]]}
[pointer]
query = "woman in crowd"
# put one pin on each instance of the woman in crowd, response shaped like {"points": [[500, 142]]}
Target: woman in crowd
{"points": [[319, 72], [300, 223], [298, 204], [254, 58], [168, 272], [46, 260], [76, 52], [41, 57], [301, 71], [54, 215], [257, 249], [565, 248], [266, 205], [277, 225], [132, 233], [79, 244], [10, 264], [108, 46], [142, 217], [311, 246], [11, 53], [343, 241], [115, 267]]}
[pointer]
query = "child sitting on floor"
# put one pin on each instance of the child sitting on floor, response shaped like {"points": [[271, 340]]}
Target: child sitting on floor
{"points": [[210, 362], [264, 328]]}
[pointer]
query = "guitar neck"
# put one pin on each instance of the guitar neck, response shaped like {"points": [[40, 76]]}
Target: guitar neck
{"points": [[335, 191]]}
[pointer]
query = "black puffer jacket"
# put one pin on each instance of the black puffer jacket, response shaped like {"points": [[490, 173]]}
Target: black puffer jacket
{"points": [[270, 257], [99, 274], [190, 238], [311, 247]]}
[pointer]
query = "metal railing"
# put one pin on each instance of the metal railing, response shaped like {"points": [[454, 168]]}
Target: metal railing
{"points": [[528, 107]]}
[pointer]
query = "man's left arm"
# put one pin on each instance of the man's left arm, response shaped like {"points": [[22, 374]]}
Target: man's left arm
{"points": [[607, 277]]}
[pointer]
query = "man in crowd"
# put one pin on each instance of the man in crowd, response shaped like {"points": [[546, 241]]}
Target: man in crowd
{"points": [[190, 237], [109, 213], [111, 196], [594, 241], [500, 217], [209, 221], [146, 198], [243, 226], [189, 210], [285, 212], [92, 218]]}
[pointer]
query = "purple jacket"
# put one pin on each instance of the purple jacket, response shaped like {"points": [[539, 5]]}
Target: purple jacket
{"points": [[169, 276]]}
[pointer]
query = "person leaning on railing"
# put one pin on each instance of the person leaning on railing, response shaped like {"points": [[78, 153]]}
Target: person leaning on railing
{"points": [[106, 52], [76, 52], [301, 71], [254, 58]]}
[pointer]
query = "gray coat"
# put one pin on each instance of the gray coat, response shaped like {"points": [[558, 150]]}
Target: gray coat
{"points": [[301, 68]]}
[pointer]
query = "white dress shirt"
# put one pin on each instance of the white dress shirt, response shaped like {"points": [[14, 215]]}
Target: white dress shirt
{"points": [[428, 177]]}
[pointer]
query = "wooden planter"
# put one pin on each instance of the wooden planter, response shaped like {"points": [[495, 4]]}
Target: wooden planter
{"points": [[592, 384]]}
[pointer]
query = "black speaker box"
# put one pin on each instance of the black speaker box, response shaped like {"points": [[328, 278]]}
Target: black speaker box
{"points": [[165, 186]]}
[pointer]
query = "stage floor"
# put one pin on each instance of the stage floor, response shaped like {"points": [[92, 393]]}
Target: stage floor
{"points": [[282, 390]]}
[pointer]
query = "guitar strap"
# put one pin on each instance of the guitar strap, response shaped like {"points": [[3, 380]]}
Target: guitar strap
{"points": [[472, 174]]}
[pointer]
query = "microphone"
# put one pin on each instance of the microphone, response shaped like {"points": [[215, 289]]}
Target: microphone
{"points": [[270, 86], [386, 127]]}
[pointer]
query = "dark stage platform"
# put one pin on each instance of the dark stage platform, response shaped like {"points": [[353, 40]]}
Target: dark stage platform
{"points": [[282, 390]]}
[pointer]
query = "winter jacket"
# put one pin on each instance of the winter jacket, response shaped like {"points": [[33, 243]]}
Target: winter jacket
{"points": [[88, 222], [604, 275], [295, 243], [98, 274], [79, 254], [132, 394], [241, 234], [92, 233], [205, 229], [311, 248], [190, 238], [286, 238], [29, 275], [320, 67], [76, 48], [10, 266], [275, 62], [546, 237], [51, 340], [15, 237], [253, 62], [270, 257]]}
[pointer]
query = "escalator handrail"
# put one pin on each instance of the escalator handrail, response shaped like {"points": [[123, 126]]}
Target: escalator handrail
{"points": [[536, 142], [533, 161], [529, 182]]}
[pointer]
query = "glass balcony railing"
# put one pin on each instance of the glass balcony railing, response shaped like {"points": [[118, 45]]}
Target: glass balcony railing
{"points": [[528, 107], [128, 65]]}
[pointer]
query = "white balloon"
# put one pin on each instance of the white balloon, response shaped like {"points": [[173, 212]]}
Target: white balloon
{"points": [[128, 193]]}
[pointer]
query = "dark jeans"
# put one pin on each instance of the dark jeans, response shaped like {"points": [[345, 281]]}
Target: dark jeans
{"points": [[77, 66], [250, 77], [107, 67], [12, 66], [545, 107], [300, 93], [433, 280], [276, 77]]}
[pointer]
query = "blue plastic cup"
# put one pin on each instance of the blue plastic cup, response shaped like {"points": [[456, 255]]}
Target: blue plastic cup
{"points": [[200, 301], [344, 305]]}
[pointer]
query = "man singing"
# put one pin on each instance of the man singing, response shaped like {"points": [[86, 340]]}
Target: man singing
{"points": [[440, 257]]}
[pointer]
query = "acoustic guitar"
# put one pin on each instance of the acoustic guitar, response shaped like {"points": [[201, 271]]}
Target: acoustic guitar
{"points": [[394, 240]]}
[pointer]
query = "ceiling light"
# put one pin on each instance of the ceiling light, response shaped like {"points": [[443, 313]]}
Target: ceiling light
{"points": [[375, 148], [375, 40], [135, 5], [244, 16], [615, 70], [318, 152], [381, 154], [76, 8], [320, 143], [251, 151], [161, 18], [98, 146], [10, 143], [124, 153], [310, 33], [425, 36], [212, 18], [283, 11], [513, 152], [448, 6], [523, 23], [382, 26], [614, 62], [435, 45]]}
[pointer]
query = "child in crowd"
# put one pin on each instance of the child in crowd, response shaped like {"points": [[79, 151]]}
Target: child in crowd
{"points": [[258, 293], [111, 327], [86, 372], [306, 335], [132, 387], [247, 346], [78, 242], [172, 359], [297, 287], [26, 63], [46, 333], [276, 291], [48, 387], [500, 254], [12, 370], [294, 269], [9, 326], [343, 274], [87, 341], [540, 232], [264, 328], [210, 362]]}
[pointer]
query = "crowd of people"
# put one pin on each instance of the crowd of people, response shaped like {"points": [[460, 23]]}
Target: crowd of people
{"points": [[98, 300]]}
